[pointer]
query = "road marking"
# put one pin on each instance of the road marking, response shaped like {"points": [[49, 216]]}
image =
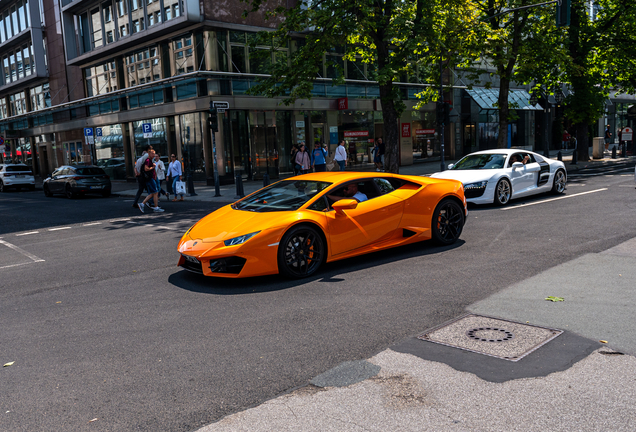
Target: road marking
{"points": [[93, 223], [57, 229], [22, 251], [553, 199], [163, 227], [29, 233]]}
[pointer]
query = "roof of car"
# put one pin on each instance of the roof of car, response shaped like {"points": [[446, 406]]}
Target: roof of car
{"points": [[507, 151], [338, 176]]}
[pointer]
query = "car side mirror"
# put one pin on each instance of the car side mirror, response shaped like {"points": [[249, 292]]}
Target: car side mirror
{"points": [[450, 166], [344, 204], [517, 165]]}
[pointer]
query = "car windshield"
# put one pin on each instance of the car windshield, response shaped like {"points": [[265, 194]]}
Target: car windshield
{"points": [[481, 161], [89, 171], [18, 168], [287, 195]]}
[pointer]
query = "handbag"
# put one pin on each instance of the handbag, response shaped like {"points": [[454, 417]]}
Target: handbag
{"points": [[181, 188]]}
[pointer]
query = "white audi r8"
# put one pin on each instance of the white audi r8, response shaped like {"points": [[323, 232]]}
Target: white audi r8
{"points": [[499, 175]]}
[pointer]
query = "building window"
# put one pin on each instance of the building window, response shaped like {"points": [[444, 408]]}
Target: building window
{"points": [[184, 61], [172, 9], [17, 103], [122, 17], [96, 28], [101, 79], [3, 108], [40, 97], [143, 66]]}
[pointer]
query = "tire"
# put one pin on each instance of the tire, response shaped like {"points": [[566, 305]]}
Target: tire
{"points": [[560, 181], [47, 191], [448, 222], [106, 193], [2, 187], [296, 261], [68, 192], [503, 192]]}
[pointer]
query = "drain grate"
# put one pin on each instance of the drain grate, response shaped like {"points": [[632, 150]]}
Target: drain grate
{"points": [[490, 336]]}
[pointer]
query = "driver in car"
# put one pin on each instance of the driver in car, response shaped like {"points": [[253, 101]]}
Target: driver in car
{"points": [[515, 158], [350, 191]]}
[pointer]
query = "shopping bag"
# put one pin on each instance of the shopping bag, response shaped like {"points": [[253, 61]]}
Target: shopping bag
{"points": [[181, 188]]}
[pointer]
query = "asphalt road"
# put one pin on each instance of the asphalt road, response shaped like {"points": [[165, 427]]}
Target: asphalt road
{"points": [[107, 334]]}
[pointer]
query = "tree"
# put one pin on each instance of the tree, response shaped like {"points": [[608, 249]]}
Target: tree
{"points": [[599, 59], [397, 38]]}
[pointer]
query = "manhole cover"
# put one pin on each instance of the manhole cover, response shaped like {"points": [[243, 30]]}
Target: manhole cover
{"points": [[494, 337]]}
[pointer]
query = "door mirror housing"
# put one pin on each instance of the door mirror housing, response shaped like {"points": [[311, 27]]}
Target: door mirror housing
{"points": [[450, 166], [344, 204], [517, 165]]}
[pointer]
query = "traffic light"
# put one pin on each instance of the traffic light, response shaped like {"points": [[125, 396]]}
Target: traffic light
{"points": [[213, 121], [563, 13], [443, 113]]}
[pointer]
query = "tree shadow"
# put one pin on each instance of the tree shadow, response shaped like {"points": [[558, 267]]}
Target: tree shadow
{"points": [[329, 272]]}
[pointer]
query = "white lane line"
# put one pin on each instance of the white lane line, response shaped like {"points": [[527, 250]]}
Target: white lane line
{"points": [[553, 199], [93, 223], [58, 229], [29, 233], [16, 265], [22, 251], [163, 227]]}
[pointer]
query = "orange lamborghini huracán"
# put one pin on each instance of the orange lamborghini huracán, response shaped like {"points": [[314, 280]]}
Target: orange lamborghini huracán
{"points": [[295, 225]]}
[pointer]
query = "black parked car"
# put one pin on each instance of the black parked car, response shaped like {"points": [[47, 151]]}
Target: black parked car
{"points": [[77, 180]]}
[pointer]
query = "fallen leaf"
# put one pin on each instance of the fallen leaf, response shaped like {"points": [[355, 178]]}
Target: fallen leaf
{"points": [[58, 302], [90, 421], [555, 299], [602, 341], [8, 364]]}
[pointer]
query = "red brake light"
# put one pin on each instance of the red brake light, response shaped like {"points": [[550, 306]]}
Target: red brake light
{"points": [[77, 178]]}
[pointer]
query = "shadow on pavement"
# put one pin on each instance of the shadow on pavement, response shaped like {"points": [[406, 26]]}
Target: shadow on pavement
{"points": [[329, 272]]}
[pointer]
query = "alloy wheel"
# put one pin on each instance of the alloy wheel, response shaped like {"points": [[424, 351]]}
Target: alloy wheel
{"points": [[301, 252]]}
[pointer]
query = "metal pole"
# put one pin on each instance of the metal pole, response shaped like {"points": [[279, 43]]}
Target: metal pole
{"points": [[441, 98], [546, 145], [217, 191]]}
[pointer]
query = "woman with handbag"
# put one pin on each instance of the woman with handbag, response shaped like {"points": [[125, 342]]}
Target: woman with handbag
{"points": [[175, 173]]}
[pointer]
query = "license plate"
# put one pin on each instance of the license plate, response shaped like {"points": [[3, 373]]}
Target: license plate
{"points": [[20, 176], [96, 187]]}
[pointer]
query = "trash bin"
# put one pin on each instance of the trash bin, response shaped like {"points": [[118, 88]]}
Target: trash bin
{"points": [[598, 147]]}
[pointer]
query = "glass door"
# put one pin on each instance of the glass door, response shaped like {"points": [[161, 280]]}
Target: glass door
{"points": [[264, 144], [469, 138], [72, 153]]}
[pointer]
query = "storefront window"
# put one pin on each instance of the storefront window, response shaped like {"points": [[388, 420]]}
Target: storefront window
{"points": [[358, 131], [191, 139], [158, 140], [109, 149]]}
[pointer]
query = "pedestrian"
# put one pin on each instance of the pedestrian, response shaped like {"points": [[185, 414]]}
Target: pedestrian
{"points": [[295, 149], [565, 139], [160, 169], [376, 156], [319, 158], [302, 160], [141, 179], [149, 171], [176, 174], [608, 137], [382, 147], [341, 155]]}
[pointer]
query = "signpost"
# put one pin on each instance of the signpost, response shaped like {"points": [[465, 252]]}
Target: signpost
{"points": [[88, 133], [147, 130]]}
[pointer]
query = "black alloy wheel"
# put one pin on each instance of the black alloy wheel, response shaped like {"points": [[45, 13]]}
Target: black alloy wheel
{"points": [[448, 222], [300, 252], [68, 192], [47, 191]]}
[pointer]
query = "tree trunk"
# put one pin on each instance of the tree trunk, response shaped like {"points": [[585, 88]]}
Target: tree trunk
{"points": [[391, 129], [582, 140], [504, 112]]}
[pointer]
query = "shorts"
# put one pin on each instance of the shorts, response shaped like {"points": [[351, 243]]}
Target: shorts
{"points": [[152, 186]]}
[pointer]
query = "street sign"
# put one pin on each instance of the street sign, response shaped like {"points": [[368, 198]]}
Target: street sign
{"points": [[220, 110], [98, 132], [1, 140], [627, 134], [88, 132], [147, 129], [221, 104]]}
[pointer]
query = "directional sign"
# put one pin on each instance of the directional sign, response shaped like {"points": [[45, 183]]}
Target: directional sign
{"points": [[147, 129], [627, 134], [221, 105]]}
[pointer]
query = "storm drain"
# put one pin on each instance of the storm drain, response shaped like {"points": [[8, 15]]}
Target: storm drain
{"points": [[493, 337]]}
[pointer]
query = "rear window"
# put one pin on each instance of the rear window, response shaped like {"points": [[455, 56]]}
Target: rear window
{"points": [[15, 168], [89, 171]]}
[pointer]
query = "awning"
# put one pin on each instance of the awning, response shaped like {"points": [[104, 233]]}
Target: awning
{"points": [[517, 99]]}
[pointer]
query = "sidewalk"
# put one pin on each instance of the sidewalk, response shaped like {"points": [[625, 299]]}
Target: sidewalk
{"points": [[420, 167], [574, 382]]}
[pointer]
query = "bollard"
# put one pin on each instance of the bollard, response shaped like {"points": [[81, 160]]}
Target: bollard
{"points": [[217, 189], [265, 180], [614, 152], [560, 156], [623, 150], [574, 157], [190, 181], [239, 185]]}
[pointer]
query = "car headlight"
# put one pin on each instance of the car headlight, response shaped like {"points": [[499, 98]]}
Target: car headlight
{"points": [[240, 239], [478, 185]]}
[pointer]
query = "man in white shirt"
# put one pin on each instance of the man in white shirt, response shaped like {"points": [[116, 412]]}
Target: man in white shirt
{"points": [[341, 155], [350, 191]]}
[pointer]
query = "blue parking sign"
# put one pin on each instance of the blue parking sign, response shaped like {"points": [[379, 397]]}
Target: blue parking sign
{"points": [[98, 132], [88, 132], [147, 130]]}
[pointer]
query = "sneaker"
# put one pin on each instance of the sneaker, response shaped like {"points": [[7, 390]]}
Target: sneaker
{"points": [[157, 209], [378, 169], [141, 207]]}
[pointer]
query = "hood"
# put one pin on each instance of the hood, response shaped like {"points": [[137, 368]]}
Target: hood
{"points": [[227, 223], [466, 176]]}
